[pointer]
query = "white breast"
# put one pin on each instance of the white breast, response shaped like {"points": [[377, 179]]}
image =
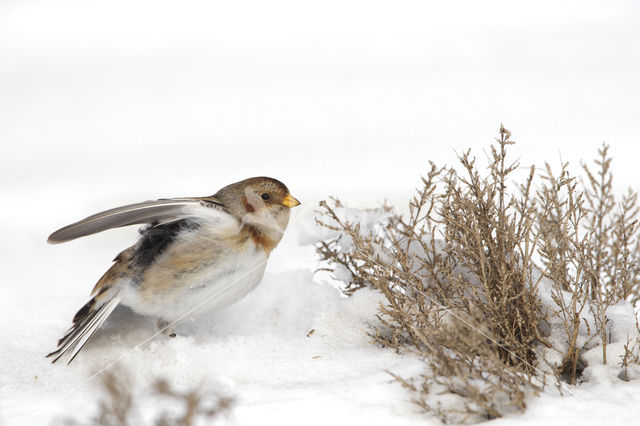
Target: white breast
{"points": [[217, 287], [199, 273]]}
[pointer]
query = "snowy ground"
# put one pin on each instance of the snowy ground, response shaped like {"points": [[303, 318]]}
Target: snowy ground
{"points": [[257, 351], [107, 103]]}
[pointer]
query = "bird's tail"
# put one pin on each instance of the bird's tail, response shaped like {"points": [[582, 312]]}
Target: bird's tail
{"points": [[85, 323]]}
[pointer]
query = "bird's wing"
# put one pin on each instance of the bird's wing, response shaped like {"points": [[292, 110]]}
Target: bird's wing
{"points": [[163, 210], [86, 322]]}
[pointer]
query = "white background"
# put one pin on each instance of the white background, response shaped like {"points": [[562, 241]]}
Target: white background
{"points": [[348, 98]]}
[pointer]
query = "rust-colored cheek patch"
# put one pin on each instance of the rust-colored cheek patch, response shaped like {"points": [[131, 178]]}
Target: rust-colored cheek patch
{"points": [[247, 205]]}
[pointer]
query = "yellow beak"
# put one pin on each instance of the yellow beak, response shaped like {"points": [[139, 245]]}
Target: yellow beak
{"points": [[289, 201]]}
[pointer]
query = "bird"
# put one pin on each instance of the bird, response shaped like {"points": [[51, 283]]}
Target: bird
{"points": [[194, 254]]}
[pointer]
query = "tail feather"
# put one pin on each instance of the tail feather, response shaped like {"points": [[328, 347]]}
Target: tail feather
{"points": [[82, 315], [85, 323]]}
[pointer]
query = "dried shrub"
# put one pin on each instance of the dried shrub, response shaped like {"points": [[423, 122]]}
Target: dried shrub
{"points": [[338, 251], [116, 408], [589, 248], [462, 275], [120, 405], [198, 404]]}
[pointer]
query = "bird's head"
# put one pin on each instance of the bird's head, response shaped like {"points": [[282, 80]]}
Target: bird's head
{"points": [[261, 202]]}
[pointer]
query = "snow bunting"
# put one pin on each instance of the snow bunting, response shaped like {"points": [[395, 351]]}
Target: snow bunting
{"points": [[195, 254]]}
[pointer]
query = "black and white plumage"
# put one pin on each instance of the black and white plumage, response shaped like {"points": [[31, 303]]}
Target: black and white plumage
{"points": [[194, 254]]}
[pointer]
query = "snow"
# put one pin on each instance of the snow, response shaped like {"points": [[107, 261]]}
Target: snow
{"points": [[108, 103], [621, 320], [292, 347], [295, 350]]}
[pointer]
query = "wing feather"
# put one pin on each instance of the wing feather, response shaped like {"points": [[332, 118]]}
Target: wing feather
{"points": [[163, 210], [81, 332]]}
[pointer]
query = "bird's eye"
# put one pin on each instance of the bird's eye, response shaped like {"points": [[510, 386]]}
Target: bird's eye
{"points": [[265, 196]]}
